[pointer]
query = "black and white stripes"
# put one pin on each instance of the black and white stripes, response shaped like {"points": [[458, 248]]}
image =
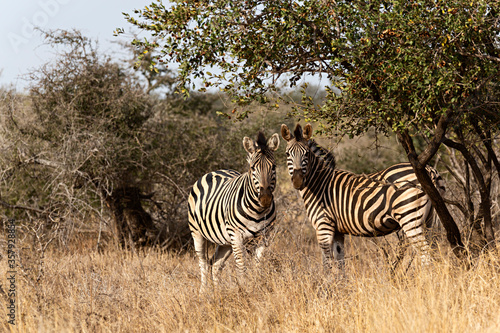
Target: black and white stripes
{"points": [[339, 202], [232, 209]]}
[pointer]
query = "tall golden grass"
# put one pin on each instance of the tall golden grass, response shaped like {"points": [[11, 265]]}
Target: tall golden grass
{"points": [[150, 291], [78, 289]]}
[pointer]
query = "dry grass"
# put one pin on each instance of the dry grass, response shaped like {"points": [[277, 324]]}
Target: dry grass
{"points": [[80, 290], [121, 291]]}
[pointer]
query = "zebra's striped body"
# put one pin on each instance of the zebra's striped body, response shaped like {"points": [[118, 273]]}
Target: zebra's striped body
{"points": [[340, 202], [232, 209]]}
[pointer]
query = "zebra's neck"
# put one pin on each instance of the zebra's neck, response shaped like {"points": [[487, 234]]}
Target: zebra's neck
{"points": [[249, 187], [321, 168], [323, 154]]}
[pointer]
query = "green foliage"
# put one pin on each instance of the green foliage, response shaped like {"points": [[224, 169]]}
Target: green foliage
{"points": [[250, 43], [412, 62], [400, 65]]}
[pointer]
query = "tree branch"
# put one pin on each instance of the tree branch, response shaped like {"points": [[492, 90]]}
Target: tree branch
{"points": [[20, 207]]}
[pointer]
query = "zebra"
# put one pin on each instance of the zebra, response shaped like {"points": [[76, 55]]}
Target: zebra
{"points": [[340, 202], [233, 210]]}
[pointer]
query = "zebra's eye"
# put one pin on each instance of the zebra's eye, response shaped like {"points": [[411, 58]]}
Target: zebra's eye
{"points": [[287, 154], [274, 167]]}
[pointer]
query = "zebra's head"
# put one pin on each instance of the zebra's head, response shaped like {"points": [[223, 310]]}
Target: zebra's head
{"points": [[262, 166], [297, 153]]}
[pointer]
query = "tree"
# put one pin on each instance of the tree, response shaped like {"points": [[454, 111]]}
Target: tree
{"points": [[413, 67]]}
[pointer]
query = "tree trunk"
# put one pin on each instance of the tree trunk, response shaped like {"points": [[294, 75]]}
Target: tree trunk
{"points": [[471, 218], [484, 191], [452, 231], [134, 226]]}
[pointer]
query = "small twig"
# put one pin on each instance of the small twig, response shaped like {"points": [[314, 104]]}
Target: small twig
{"points": [[33, 209]]}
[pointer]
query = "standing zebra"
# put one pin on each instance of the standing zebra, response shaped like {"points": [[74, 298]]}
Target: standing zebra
{"points": [[339, 202], [232, 210]]}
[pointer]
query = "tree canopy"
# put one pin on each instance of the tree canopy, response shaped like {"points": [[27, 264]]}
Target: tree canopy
{"points": [[397, 63]]}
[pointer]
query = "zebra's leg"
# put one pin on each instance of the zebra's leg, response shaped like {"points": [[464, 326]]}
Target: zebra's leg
{"points": [[338, 250], [413, 227], [200, 247], [262, 243], [222, 252], [239, 252], [259, 251], [325, 241]]}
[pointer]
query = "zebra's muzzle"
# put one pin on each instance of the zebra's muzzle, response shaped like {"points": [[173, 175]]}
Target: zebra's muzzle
{"points": [[298, 179], [266, 197]]}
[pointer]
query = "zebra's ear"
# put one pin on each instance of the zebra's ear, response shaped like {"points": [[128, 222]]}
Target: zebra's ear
{"points": [[308, 131], [274, 142], [285, 132], [249, 145]]}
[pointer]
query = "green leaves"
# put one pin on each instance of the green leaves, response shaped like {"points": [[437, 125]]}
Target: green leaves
{"points": [[249, 42], [409, 62], [397, 63]]}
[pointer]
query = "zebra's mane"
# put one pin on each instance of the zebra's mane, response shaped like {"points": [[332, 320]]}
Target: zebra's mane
{"points": [[322, 153], [261, 141]]}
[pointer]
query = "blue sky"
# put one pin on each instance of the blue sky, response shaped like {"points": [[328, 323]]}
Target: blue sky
{"points": [[21, 49]]}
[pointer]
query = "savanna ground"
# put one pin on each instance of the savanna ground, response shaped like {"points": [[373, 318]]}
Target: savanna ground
{"points": [[78, 289]]}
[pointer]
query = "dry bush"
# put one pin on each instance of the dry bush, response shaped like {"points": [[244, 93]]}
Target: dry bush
{"points": [[464, 197]]}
